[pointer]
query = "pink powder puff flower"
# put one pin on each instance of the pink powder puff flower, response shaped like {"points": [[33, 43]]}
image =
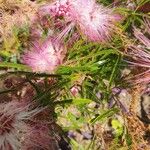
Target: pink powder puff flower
{"points": [[94, 21], [45, 57], [13, 123]]}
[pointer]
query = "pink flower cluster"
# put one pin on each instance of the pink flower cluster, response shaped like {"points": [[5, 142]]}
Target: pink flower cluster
{"points": [[94, 21], [60, 8]]}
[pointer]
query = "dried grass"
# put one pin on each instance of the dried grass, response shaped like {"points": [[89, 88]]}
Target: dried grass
{"points": [[15, 12]]}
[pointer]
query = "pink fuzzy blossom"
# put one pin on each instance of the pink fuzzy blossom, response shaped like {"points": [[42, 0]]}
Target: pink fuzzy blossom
{"points": [[14, 118], [94, 21], [45, 57]]}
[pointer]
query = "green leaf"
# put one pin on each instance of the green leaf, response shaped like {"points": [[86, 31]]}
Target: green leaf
{"points": [[63, 70], [117, 126], [76, 145], [81, 101], [63, 102], [105, 114], [33, 74], [113, 74], [14, 65], [5, 53]]}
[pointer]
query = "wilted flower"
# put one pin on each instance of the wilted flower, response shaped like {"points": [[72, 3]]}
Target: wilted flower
{"points": [[38, 138], [140, 55], [14, 123], [94, 21], [142, 38], [45, 57]]}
